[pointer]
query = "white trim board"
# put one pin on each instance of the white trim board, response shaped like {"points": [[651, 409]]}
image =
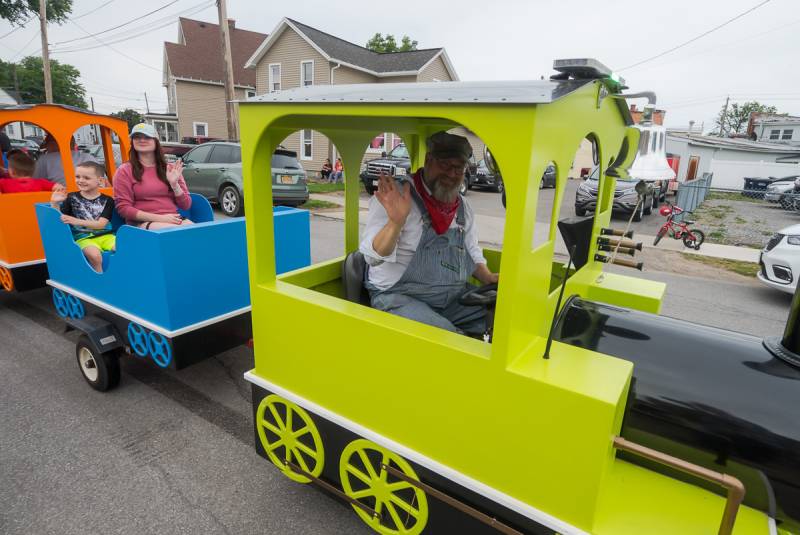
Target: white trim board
{"points": [[465, 481], [143, 322], [6, 265]]}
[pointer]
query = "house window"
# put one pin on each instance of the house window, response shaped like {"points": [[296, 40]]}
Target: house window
{"points": [[774, 134], [306, 73], [250, 93], [167, 131], [200, 129], [378, 143], [307, 145], [787, 134], [274, 77]]}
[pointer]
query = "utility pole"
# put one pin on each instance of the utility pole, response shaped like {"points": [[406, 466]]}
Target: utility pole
{"points": [[230, 107], [95, 129], [724, 114], [146, 103], [48, 84]]}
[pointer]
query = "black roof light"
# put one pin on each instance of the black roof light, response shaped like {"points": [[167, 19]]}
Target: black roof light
{"points": [[585, 69]]}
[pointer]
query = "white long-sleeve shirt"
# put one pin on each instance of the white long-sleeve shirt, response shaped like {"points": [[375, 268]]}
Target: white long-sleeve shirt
{"points": [[385, 271]]}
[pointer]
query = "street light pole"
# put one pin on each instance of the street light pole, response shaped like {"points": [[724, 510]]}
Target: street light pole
{"points": [[48, 84], [230, 107]]}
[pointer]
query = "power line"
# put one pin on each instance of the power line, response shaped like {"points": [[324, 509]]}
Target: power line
{"points": [[740, 15], [115, 50], [117, 26], [101, 6], [132, 34], [17, 28]]}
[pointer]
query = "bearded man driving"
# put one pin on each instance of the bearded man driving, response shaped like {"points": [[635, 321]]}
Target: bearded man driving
{"points": [[421, 244]]}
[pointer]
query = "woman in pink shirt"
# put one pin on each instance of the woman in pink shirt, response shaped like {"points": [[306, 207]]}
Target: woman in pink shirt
{"points": [[147, 190]]}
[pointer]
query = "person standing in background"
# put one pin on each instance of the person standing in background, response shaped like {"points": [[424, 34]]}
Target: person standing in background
{"points": [[5, 147]]}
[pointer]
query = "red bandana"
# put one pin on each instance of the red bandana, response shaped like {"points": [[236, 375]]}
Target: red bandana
{"points": [[442, 213]]}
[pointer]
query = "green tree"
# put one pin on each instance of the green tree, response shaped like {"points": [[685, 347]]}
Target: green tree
{"points": [[67, 88], [736, 118], [20, 11], [381, 44], [132, 116]]}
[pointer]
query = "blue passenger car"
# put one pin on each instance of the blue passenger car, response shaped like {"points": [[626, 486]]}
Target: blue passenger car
{"points": [[176, 296]]}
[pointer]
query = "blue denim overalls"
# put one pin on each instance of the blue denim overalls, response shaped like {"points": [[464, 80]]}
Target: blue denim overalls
{"points": [[437, 275]]}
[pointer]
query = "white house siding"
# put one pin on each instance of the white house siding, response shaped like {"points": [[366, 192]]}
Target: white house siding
{"points": [[397, 79], [346, 75], [730, 174], [435, 71], [289, 50], [203, 103], [764, 130]]}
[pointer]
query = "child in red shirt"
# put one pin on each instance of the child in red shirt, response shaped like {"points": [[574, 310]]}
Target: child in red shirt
{"points": [[20, 167]]}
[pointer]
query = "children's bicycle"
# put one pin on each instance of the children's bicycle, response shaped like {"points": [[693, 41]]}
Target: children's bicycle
{"points": [[692, 238]]}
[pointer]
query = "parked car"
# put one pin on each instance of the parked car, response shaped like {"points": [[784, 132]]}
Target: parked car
{"points": [[27, 146], [36, 139], [625, 197], [780, 260], [397, 163], [173, 151], [96, 152], [483, 177], [778, 186], [214, 170], [197, 140]]}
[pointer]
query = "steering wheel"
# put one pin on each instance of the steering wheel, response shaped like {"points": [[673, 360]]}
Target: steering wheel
{"points": [[485, 295]]}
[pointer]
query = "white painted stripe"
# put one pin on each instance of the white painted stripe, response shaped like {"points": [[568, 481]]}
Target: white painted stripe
{"points": [[143, 322], [6, 265], [465, 481]]}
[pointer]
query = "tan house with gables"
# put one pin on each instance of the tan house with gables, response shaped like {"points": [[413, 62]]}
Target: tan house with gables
{"points": [[296, 55], [193, 77]]}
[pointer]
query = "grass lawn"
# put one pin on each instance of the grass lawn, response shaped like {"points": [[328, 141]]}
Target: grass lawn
{"points": [[748, 269], [731, 196], [324, 187], [314, 204]]}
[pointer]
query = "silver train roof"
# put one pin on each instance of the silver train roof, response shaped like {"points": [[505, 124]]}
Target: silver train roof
{"points": [[510, 92]]}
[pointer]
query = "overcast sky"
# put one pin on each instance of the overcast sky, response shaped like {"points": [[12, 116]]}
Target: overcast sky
{"points": [[754, 57]]}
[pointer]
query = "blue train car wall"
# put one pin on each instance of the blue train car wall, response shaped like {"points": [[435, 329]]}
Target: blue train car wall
{"points": [[176, 295]]}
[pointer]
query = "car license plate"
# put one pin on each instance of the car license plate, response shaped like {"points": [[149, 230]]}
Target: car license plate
{"points": [[286, 179], [375, 183]]}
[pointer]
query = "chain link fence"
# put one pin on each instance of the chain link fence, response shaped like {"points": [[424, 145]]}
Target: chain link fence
{"points": [[691, 194]]}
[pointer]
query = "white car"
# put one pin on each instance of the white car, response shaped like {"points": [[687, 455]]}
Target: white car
{"points": [[780, 260], [776, 189]]}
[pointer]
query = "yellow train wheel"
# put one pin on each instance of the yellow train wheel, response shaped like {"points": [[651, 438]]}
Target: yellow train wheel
{"points": [[288, 435], [6, 280], [402, 509]]}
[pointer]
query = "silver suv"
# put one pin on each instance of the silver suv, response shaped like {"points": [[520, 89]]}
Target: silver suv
{"points": [[214, 170]]}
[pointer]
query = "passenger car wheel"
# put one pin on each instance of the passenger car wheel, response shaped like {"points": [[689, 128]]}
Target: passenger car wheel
{"points": [[230, 201], [101, 371]]}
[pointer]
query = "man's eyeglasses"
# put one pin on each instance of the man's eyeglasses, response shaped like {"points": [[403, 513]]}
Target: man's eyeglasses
{"points": [[449, 167]]}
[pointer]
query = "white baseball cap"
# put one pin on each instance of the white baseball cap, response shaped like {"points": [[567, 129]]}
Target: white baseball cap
{"points": [[145, 129]]}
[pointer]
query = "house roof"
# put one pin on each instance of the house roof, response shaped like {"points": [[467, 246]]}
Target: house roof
{"points": [[200, 59], [338, 50], [779, 119], [732, 143], [9, 98]]}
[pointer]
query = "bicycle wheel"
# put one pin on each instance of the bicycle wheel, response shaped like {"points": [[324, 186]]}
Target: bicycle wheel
{"points": [[694, 238], [661, 233]]}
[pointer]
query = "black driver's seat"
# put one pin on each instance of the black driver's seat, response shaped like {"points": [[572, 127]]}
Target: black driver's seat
{"points": [[354, 269]]}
